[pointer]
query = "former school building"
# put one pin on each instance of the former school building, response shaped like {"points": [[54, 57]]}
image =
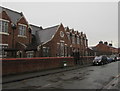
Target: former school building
{"points": [[21, 39]]}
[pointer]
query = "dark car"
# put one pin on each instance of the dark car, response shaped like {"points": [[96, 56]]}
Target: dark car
{"points": [[109, 59], [100, 60]]}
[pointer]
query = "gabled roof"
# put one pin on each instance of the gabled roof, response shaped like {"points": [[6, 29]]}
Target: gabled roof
{"points": [[47, 33], [35, 28], [14, 16]]}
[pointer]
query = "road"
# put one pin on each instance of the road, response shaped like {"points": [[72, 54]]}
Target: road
{"points": [[92, 77]]}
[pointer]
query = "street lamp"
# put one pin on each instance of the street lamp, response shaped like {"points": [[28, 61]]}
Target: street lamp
{"points": [[13, 28]]}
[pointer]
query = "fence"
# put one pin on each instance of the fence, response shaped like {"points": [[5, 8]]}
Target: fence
{"points": [[22, 65]]}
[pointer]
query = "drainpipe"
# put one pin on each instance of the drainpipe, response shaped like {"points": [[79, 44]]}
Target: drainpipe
{"points": [[13, 28]]}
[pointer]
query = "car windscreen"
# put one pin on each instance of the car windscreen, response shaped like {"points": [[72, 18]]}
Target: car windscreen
{"points": [[98, 58]]}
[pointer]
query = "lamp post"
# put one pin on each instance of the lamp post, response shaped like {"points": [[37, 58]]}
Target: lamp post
{"points": [[13, 28]]}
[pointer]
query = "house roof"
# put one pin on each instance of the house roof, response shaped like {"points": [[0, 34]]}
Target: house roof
{"points": [[35, 28], [14, 16], [47, 33]]}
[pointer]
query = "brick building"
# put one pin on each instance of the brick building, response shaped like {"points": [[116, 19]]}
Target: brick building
{"points": [[58, 41], [104, 49], [14, 33], [21, 39]]}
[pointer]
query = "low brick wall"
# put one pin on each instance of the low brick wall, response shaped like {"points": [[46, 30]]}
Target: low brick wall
{"points": [[21, 65]]}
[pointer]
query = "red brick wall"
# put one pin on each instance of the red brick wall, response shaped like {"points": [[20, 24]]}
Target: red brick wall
{"points": [[21, 65]]}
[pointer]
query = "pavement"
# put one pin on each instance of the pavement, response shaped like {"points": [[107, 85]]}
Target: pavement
{"points": [[113, 84], [19, 77]]}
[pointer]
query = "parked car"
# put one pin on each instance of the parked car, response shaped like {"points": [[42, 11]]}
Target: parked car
{"points": [[109, 59], [118, 58], [100, 60], [113, 57]]}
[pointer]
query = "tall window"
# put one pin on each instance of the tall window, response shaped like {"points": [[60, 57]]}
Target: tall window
{"points": [[85, 41], [81, 40], [68, 34], [73, 39], [78, 40], [65, 50], [45, 51], [61, 49], [3, 26], [3, 54], [22, 30], [58, 49]]}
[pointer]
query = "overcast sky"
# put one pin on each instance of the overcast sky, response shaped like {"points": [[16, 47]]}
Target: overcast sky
{"points": [[99, 20]]}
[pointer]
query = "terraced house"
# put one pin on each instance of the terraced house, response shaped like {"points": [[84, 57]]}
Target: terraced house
{"points": [[21, 39], [104, 49]]}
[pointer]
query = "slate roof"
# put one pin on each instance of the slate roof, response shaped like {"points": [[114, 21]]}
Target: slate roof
{"points": [[47, 34], [14, 16], [43, 35], [34, 29]]}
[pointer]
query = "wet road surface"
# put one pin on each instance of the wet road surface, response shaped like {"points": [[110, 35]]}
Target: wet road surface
{"points": [[92, 77]]}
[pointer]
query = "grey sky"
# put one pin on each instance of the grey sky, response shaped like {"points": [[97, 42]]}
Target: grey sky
{"points": [[99, 20]]}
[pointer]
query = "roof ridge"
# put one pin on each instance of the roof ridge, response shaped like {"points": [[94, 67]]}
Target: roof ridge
{"points": [[34, 25], [50, 27], [12, 10]]}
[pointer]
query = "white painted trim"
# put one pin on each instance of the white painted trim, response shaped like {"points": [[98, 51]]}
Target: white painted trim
{"points": [[4, 33], [62, 41], [4, 20], [4, 44], [22, 24], [68, 32], [29, 51], [61, 34], [70, 45], [44, 47], [22, 36], [22, 44]]}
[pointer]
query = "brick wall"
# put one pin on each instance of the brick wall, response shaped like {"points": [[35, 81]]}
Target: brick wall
{"points": [[21, 65]]}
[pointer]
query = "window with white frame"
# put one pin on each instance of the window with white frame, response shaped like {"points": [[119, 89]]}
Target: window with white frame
{"points": [[22, 30], [65, 50], [68, 34], [58, 49], [73, 39], [30, 54], [81, 40], [3, 54], [62, 49], [45, 51], [4, 26], [78, 40]]}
